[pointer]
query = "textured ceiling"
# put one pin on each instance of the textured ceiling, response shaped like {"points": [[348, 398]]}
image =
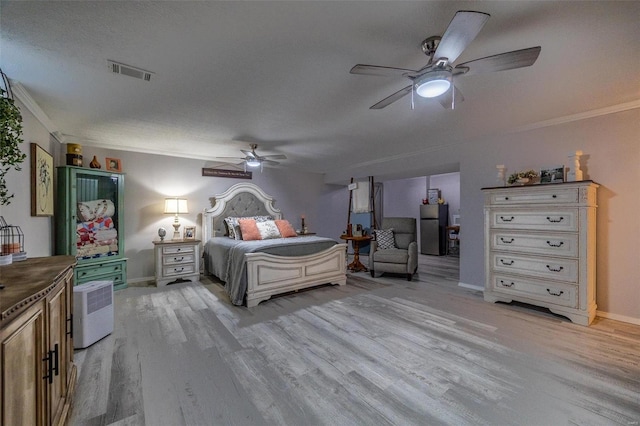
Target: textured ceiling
{"points": [[277, 73]]}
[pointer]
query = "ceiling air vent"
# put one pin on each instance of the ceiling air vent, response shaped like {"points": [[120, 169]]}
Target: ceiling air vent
{"points": [[134, 72]]}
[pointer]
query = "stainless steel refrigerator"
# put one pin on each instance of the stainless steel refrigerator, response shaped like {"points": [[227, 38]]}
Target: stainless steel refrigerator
{"points": [[433, 223]]}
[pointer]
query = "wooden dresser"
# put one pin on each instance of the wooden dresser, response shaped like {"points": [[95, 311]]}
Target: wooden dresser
{"points": [[540, 247], [36, 346]]}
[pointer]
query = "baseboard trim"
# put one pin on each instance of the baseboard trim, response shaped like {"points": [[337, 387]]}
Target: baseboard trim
{"points": [[616, 317], [470, 286]]}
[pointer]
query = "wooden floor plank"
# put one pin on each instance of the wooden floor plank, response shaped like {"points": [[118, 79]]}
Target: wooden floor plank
{"points": [[376, 351]]}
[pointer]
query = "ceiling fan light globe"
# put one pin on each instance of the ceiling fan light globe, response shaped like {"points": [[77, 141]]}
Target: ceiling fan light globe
{"points": [[253, 163], [433, 84], [434, 88]]}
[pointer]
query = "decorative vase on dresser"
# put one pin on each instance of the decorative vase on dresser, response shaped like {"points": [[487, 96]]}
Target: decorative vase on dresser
{"points": [[90, 223], [540, 247]]}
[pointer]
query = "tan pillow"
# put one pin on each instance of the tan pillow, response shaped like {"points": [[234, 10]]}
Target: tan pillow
{"points": [[286, 230], [249, 229]]}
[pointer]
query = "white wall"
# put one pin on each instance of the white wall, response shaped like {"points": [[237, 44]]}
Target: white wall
{"points": [[38, 231]]}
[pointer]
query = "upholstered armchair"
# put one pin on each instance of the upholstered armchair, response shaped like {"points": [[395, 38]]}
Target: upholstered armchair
{"points": [[395, 251]]}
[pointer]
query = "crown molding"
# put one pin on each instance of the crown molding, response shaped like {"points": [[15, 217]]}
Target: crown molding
{"points": [[23, 96], [579, 116]]}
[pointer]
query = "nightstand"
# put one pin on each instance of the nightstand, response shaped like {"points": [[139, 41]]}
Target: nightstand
{"points": [[176, 259]]}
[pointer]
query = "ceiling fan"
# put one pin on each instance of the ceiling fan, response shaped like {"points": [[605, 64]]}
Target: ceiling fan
{"points": [[253, 160], [436, 79]]}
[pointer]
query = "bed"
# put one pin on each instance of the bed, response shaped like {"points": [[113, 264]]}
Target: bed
{"points": [[253, 271]]}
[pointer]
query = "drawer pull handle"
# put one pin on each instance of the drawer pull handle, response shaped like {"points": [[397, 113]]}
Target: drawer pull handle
{"points": [[558, 244], [510, 219], [560, 293], [179, 249], [557, 269], [560, 219], [506, 198], [509, 263], [175, 259], [504, 240], [554, 196], [503, 284], [176, 269]]}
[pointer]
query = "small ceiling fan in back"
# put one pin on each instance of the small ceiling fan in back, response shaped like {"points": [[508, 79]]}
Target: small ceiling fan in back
{"points": [[253, 160], [436, 79]]}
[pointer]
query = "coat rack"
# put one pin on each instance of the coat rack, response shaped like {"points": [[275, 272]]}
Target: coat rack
{"points": [[372, 204]]}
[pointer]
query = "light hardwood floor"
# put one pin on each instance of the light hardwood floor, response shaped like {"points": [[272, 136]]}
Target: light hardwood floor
{"points": [[374, 352]]}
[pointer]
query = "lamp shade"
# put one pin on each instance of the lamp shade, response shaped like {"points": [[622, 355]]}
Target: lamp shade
{"points": [[175, 205], [433, 83]]}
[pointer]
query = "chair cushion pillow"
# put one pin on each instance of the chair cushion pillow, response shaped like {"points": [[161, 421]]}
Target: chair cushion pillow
{"points": [[400, 256], [385, 240]]}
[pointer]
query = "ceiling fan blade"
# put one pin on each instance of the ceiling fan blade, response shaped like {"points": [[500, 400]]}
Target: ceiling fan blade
{"points": [[447, 99], [381, 71], [462, 29], [391, 99], [274, 157], [503, 61], [270, 162], [248, 153], [229, 158]]}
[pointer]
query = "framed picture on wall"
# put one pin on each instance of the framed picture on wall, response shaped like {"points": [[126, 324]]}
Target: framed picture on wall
{"points": [[41, 182], [433, 195]]}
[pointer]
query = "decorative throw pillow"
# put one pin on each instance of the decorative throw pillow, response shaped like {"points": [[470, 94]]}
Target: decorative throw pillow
{"points": [[249, 229], [286, 230], [268, 229], [385, 240], [233, 229]]}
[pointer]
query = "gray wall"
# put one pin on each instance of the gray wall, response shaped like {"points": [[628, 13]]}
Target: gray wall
{"points": [[612, 158]]}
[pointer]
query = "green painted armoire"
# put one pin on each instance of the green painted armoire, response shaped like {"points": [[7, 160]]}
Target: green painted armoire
{"points": [[90, 223]]}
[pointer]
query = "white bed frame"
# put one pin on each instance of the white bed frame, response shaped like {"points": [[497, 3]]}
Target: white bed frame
{"points": [[268, 274]]}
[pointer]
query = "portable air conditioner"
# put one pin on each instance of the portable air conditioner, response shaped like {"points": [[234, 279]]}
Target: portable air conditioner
{"points": [[92, 312]]}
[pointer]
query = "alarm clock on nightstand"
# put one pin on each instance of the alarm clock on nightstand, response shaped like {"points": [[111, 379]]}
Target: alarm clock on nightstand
{"points": [[162, 233]]}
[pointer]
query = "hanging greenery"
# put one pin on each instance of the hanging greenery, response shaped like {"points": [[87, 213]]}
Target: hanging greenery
{"points": [[10, 139]]}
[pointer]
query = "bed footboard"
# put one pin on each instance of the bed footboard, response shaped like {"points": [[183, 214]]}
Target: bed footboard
{"points": [[268, 275]]}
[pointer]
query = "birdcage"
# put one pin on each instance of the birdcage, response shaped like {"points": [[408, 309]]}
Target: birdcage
{"points": [[11, 241]]}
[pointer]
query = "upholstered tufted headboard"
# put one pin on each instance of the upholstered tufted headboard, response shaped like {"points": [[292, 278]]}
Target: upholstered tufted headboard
{"points": [[241, 200]]}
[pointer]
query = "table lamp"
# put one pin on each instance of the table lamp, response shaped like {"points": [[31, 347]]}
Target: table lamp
{"points": [[175, 206]]}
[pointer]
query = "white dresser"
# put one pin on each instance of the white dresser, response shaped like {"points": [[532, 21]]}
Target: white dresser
{"points": [[177, 259], [540, 247]]}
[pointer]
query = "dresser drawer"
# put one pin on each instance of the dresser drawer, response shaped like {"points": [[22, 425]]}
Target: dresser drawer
{"points": [[88, 272], [542, 267], [188, 268], [536, 195], [550, 221], [546, 244], [175, 249], [551, 292], [178, 258]]}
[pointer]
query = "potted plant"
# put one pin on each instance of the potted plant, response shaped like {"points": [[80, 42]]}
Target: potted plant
{"points": [[10, 139], [523, 177]]}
